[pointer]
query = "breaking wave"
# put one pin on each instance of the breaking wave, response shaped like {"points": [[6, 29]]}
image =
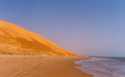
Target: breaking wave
{"points": [[103, 67]]}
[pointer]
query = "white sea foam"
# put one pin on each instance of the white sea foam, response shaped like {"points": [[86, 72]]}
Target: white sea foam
{"points": [[103, 67]]}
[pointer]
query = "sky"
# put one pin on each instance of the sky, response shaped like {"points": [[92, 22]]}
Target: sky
{"points": [[90, 27]]}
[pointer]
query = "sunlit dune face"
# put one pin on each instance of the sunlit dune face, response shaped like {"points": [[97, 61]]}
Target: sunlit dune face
{"points": [[17, 40]]}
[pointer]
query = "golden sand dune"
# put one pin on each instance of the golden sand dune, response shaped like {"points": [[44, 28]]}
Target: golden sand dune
{"points": [[17, 40], [37, 66]]}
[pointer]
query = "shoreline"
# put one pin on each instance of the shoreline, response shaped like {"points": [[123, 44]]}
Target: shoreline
{"points": [[38, 66]]}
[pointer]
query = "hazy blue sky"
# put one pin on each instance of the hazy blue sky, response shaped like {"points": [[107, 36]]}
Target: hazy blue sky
{"points": [[94, 27]]}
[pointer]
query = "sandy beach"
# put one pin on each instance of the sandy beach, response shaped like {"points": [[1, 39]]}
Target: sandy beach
{"points": [[37, 66]]}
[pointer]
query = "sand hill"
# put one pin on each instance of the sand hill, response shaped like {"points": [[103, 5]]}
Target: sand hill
{"points": [[17, 40]]}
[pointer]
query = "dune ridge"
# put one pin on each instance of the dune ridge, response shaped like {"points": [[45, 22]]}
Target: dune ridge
{"points": [[17, 40]]}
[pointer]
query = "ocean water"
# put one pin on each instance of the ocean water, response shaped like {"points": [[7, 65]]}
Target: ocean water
{"points": [[103, 67]]}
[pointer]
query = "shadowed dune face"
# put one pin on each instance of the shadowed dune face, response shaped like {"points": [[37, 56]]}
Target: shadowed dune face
{"points": [[16, 40]]}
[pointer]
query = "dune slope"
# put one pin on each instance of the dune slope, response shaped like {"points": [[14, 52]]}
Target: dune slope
{"points": [[17, 40]]}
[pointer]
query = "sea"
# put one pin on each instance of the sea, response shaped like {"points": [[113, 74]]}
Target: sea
{"points": [[103, 66]]}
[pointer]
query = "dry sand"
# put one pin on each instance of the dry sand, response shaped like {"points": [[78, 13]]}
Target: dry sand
{"points": [[36, 66]]}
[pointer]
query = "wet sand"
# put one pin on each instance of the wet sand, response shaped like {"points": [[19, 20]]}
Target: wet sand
{"points": [[37, 66]]}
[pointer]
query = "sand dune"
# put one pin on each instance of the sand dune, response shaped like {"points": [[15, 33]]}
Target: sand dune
{"points": [[17, 40], [36, 66]]}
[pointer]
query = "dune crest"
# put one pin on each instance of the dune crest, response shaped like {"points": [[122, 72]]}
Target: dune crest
{"points": [[17, 40]]}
